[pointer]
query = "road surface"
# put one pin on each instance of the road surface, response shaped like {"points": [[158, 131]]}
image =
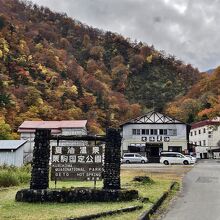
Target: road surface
{"points": [[200, 197]]}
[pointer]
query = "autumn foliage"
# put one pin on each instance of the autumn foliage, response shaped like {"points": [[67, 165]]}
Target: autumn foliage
{"points": [[54, 68], [201, 102]]}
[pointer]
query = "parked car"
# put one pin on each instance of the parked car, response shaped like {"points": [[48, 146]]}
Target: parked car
{"points": [[174, 158], [133, 158], [192, 159]]}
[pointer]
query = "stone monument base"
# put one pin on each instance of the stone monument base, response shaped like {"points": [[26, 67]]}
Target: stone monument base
{"points": [[75, 195]]}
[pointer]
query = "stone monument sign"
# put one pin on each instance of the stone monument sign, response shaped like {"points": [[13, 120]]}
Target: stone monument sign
{"points": [[77, 163]]}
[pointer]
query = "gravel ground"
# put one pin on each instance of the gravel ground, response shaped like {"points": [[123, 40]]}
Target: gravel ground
{"points": [[157, 168]]}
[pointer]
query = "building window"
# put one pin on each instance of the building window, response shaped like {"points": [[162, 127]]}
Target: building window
{"points": [[163, 131], [209, 136], [200, 143], [145, 131], [204, 130], [209, 132], [204, 143], [199, 131], [191, 134], [172, 132], [195, 143], [136, 131], [153, 131], [194, 132]]}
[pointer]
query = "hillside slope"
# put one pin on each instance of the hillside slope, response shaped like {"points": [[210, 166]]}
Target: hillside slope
{"points": [[201, 102], [53, 67]]}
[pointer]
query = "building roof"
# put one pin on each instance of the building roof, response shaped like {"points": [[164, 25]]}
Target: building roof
{"points": [[204, 123], [153, 117], [55, 126], [11, 144]]}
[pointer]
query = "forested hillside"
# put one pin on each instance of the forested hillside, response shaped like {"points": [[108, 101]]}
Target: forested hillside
{"points": [[53, 67], [201, 102]]}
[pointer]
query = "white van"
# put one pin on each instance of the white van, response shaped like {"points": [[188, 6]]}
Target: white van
{"points": [[133, 158], [174, 158]]}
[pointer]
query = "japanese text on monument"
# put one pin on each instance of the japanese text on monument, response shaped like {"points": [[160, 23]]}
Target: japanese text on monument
{"points": [[76, 163]]}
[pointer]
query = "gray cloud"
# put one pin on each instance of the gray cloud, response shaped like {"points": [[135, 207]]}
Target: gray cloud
{"points": [[186, 28]]}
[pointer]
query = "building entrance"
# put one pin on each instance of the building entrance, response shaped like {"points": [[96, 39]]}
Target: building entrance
{"points": [[153, 152]]}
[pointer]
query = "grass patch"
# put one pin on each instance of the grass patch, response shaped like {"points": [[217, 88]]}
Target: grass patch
{"points": [[164, 206], [9, 209]]}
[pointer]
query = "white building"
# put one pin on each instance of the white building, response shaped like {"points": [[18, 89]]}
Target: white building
{"points": [[71, 127], [11, 152], [205, 136], [154, 132]]}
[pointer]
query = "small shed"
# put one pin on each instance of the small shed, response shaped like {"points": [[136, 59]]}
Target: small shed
{"points": [[11, 152]]}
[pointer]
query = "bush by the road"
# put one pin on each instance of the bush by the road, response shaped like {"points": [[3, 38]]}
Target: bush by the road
{"points": [[14, 176]]}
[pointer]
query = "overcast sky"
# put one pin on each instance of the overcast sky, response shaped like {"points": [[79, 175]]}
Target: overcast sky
{"points": [[188, 29]]}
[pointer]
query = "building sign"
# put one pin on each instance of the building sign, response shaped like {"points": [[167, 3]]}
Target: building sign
{"points": [[156, 139], [76, 163]]}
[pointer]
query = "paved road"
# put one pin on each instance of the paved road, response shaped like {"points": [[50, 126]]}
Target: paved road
{"points": [[200, 198]]}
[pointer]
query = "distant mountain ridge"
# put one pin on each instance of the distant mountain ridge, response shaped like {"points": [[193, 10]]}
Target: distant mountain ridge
{"points": [[210, 71], [55, 68]]}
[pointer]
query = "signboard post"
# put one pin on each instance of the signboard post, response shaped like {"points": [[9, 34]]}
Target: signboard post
{"points": [[77, 163]]}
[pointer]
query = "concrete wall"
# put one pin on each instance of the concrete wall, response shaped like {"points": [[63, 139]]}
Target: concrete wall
{"points": [[210, 138], [176, 140], [205, 138]]}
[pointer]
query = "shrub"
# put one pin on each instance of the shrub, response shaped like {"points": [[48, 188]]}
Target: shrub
{"points": [[143, 179], [13, 176], [23, 177], [27, 168], [8, 178]]}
